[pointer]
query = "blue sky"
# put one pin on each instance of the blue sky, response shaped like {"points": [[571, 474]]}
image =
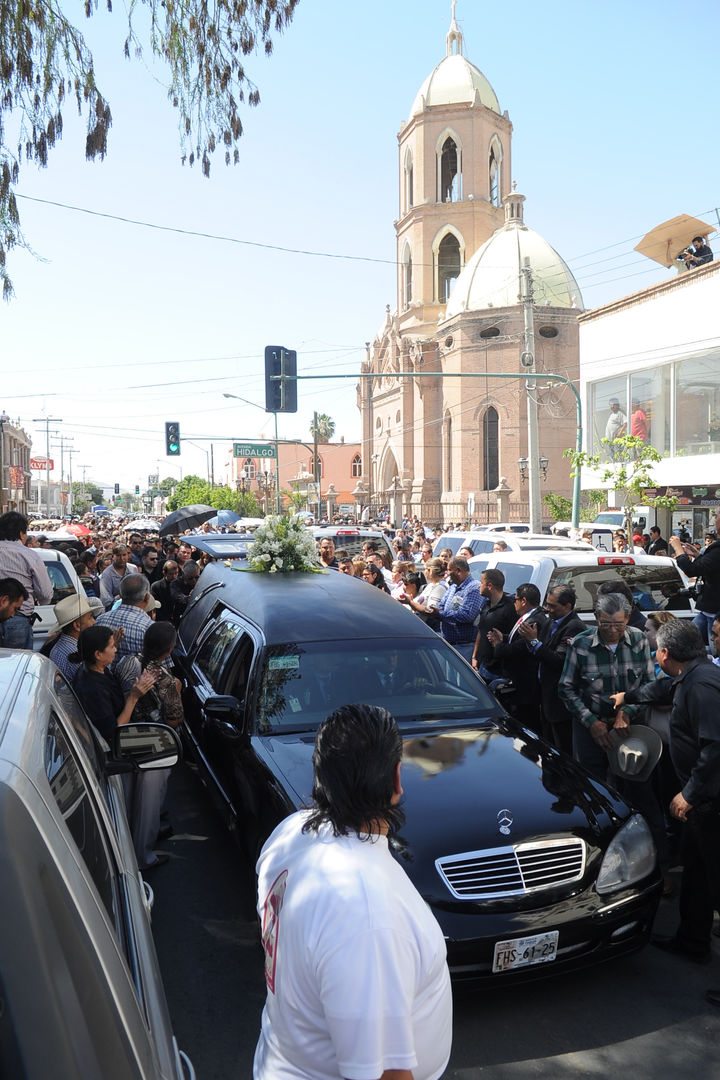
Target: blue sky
{"points": [[118, 327]]}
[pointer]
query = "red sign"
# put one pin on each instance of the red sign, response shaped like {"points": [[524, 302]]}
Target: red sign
{"points": [[41, 463], [16, 477]]}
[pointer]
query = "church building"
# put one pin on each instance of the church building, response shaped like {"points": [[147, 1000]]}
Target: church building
{"points": [[443, 444]]}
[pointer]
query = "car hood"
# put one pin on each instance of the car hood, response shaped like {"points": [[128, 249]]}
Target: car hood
{"points": [[457, 780]]}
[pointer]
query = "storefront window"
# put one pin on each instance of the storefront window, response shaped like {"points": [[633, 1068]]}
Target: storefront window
{"points": [[698, 404], [649, 417], [608, 414]]}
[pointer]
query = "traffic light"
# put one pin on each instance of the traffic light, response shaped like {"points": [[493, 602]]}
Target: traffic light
{"points": [[172, 438], [280, 393], [137, 489], [117, 489]]}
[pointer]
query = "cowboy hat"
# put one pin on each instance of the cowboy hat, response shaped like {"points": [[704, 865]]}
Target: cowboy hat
{"points": [[635, 755], [71, 608]]}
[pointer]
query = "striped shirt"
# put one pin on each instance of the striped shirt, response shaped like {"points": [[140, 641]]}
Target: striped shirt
{"points": [[26, 566], [593, 672]]}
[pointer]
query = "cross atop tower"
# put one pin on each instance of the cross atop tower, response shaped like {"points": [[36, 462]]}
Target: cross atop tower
{"points": [[454, 36]]}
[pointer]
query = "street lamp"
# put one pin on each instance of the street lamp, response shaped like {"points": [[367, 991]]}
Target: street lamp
{"points": [[265, 484], [242, 480], [524, 464]]}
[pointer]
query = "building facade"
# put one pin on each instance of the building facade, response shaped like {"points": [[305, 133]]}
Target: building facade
{"points": [[437, 421], [657, 353], [15, 447]]}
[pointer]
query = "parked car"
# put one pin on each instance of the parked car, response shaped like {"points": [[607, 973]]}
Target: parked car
{"points": [[81, 989], [655, 581], [222, 545], [352, 537], [527, 864], [482, 540], [504, 526], [65, 582]]}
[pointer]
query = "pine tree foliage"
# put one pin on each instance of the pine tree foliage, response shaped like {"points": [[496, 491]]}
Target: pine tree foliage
{"points": [[45, 64]]}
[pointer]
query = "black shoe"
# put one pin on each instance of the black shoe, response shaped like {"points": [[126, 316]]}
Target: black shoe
{"points": [[166, 831], [713, 996], [675, 946], [161, 857]]}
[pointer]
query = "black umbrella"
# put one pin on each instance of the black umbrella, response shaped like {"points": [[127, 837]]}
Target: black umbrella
{"points": [[187, 517]]}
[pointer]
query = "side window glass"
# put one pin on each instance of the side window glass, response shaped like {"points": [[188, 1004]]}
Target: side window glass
{"points": [[60, 581], [75, 803], [75, 713], [215, 650], [515, 574]]}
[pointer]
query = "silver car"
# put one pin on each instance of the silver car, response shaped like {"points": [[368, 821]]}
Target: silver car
{"points": [[80, 986]]}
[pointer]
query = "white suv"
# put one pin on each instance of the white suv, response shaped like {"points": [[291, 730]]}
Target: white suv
{"points": [[655, 582], [65, 582], [483, 540]]}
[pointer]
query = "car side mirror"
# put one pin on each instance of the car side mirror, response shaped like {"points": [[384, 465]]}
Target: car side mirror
{"points": [[144, 746], [224, 708]]}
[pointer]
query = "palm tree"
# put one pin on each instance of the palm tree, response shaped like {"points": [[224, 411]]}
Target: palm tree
{"points": [[323, 427]]}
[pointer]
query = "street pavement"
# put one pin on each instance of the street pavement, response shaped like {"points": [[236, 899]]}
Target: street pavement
{"points": [[642, 1017]]}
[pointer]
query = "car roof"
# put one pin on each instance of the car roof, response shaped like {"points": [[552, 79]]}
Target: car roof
{"points": [[323, 606], [585, 557], [221, 545], [14, 665]]}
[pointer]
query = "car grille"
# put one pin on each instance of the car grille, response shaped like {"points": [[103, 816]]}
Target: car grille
{"points": [[513, 871]]}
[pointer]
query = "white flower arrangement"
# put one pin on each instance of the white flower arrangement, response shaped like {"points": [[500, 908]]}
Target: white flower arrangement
{"points": [[281, 545]]}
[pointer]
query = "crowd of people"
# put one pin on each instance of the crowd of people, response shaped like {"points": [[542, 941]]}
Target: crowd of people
{"points": [[635, 698]]}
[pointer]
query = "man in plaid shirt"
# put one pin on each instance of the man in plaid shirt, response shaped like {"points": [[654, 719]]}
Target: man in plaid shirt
{"points": [[460, 606], [604, 660]]}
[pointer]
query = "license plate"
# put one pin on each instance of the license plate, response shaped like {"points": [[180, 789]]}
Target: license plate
{"points": [[521, 952]]}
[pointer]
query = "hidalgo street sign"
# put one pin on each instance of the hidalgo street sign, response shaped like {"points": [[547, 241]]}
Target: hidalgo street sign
{"points": [[254, 450]]}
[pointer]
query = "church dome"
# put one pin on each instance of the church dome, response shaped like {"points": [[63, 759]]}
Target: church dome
{"points": [[491, 277], [455, 81]]}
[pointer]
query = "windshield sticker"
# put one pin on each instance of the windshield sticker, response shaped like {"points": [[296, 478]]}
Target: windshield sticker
{"points": [[283, 663]]}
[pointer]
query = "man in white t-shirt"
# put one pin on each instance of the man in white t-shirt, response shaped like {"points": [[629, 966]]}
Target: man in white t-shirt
{"points": [[355, 962]]}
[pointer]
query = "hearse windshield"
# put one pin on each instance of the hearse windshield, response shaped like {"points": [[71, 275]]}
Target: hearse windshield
{"points": [[417, 681]]}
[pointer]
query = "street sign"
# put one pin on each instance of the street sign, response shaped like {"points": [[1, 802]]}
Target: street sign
{"points": [[254, 450], [41, 463]]}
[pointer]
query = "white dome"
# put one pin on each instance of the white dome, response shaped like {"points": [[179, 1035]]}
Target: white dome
{"points": [[455, 81], [491, 277]]}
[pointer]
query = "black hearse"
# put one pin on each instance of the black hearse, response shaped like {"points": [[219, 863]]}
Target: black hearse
{"points": [[529, 866]]}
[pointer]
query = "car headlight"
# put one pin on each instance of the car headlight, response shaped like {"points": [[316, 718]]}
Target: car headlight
{"points": [[630, 857]]}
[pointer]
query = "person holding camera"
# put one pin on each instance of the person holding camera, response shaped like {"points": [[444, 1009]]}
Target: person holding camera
{"points": [[696, 254]]}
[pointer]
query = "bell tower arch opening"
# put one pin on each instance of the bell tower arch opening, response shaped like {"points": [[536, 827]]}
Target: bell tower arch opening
{"points": [[449, 168]]}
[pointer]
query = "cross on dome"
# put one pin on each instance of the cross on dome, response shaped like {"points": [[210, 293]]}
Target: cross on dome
{"points": [[454, 39]]}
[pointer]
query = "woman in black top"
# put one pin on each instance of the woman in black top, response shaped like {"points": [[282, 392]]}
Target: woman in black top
{"points": [[101, 694], [99, 690]]}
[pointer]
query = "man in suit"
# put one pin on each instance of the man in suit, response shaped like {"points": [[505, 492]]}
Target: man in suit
{"points": [[658, 545], [518, 663], [549, 645]]}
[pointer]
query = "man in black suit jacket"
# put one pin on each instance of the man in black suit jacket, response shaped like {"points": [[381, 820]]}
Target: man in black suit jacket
{"points": [[518, 662], [657, 545], [549, 646]]}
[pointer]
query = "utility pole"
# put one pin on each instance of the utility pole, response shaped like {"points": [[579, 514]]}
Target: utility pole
{"points": [[47, 420], [63, 440], [528, 362], [71, 500]]}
